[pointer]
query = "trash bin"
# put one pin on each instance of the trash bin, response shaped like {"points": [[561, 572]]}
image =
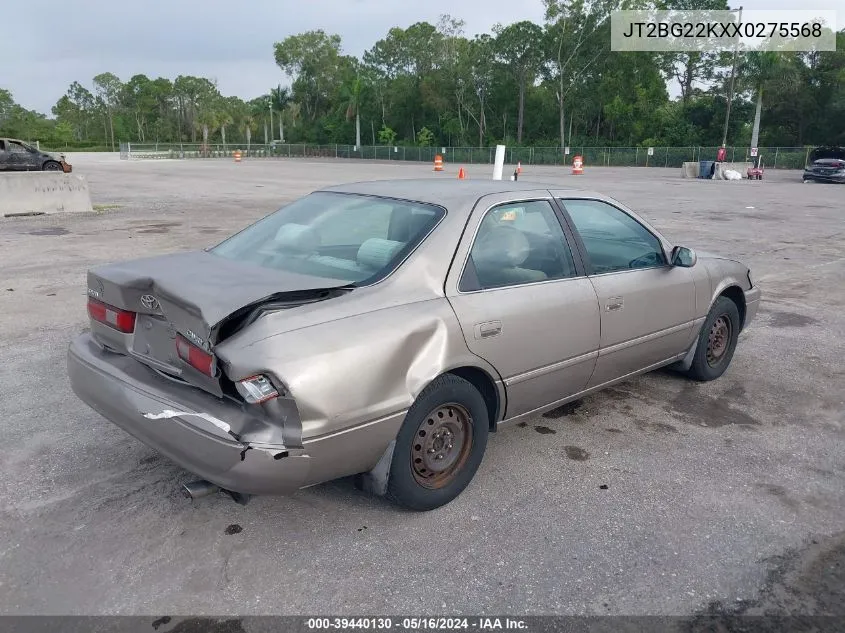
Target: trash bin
{"points": [[705, 168]]}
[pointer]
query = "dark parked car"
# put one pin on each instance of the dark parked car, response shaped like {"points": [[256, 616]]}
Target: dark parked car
{"points": [[826, 164], [15, 155]]}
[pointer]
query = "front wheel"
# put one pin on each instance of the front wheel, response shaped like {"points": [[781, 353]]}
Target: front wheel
{"points": [[52, 165], [440, 445], [716, 342]]}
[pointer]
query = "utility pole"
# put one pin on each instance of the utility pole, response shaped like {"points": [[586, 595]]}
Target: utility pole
{"points": [[731, 89]]}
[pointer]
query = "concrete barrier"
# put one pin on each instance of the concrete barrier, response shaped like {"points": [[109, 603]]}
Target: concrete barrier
{"points": [[42, 192], [690, 170]]}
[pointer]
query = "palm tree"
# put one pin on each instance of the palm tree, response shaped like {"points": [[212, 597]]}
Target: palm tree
{"points": [[248, 122], [224, 118], [763, 70], [279, 99], [352, 93], [207, 120]]}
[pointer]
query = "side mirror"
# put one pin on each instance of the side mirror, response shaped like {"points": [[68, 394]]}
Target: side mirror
{"points": [[683, 257]]}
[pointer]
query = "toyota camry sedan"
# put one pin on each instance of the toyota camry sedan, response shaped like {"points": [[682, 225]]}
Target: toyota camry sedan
{"points": [[384, 330]]}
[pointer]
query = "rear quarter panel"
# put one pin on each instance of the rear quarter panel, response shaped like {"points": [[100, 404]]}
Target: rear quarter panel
{"points": [[362, 368]]}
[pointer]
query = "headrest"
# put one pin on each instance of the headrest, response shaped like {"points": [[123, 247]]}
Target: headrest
{"points": [[298, 237], [406, 225], [375, 253], [500, 246]]}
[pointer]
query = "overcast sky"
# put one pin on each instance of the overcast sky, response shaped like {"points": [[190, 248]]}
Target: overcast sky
{"points": [[45, 47]]}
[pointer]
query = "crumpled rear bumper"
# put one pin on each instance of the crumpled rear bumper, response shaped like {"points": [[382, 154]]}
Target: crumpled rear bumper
{"points": [[188, 434]]}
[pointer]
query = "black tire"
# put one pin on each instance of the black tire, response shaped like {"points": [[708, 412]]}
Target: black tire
{"points": [[461, 405], [52, 165], [715, 345]]}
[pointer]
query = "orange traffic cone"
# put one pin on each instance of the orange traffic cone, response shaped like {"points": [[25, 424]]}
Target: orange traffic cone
{"points": [[519, 167], [462, 174]]}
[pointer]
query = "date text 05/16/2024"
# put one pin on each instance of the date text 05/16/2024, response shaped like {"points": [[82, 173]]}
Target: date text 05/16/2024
{"points": [[416, 624]]}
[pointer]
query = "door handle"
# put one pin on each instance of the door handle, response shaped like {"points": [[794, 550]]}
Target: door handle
{"points": [[488, 329], [614, 303]]}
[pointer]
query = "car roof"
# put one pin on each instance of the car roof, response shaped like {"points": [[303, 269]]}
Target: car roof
{"points": [[448, 193]]}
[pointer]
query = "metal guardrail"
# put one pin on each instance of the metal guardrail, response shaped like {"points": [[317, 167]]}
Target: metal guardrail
{"points": [[772, 157]]}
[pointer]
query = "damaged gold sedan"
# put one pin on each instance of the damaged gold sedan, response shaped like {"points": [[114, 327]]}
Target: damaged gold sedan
{"points": [[384, 329]]}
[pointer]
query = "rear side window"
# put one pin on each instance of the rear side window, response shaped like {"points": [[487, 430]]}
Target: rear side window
{"points": [[351, 238], [613, 239], [517, 243]]}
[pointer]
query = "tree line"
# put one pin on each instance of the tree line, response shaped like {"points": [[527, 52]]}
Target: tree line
{"points": [[551, 84]]}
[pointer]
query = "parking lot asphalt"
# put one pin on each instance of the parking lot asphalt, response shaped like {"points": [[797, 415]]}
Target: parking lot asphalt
{"points": [[658, 496]]}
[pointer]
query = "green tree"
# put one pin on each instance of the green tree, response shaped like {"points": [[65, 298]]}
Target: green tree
{"points": [[519, 47], [314, 60], [108, 87], [759, 71], [577, 36], [386, 135], [352, 93], [6, 105], [690, 68], [425, 137]]}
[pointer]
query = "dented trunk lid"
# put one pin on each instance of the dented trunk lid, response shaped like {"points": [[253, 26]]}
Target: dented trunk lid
{"points": [[199, 295]]}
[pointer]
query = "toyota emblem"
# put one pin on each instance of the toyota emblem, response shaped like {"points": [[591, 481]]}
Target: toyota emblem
{"points": [[149, 302]]}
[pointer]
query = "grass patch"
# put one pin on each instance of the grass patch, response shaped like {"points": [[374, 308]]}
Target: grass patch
{"points": [[105, 207]]}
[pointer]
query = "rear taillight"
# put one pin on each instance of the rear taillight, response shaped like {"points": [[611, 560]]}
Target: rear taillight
{"points": [[256, 389], [199, 359], [121, 320]]}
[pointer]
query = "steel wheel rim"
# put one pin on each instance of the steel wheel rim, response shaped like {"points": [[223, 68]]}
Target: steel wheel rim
{"points": [[442, 444], [718, 340], [53, 167]]}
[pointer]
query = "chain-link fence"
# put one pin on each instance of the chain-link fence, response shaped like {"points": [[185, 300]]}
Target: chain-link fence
{"points": [[772, 157]]}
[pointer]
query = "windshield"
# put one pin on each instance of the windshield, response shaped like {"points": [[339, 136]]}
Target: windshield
{"points": [[356, 238]]}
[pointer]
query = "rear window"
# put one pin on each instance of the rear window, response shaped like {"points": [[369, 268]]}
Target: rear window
{"points": [[359, 239]]}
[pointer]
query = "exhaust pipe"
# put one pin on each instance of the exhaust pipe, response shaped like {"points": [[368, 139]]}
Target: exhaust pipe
{"points": [[199, 488], [202, 488]]}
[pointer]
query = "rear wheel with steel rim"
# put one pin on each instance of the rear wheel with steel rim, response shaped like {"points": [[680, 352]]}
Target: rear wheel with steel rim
{"points": [[440, 445], [717, 341]]}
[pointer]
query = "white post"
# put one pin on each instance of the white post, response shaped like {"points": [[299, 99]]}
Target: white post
{"points": [[499, 165], [128, 150]]}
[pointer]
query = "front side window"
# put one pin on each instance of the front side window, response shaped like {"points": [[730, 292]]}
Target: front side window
{"points": [[613, 239], [518, 243], [18, 148], [353, 238]]}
